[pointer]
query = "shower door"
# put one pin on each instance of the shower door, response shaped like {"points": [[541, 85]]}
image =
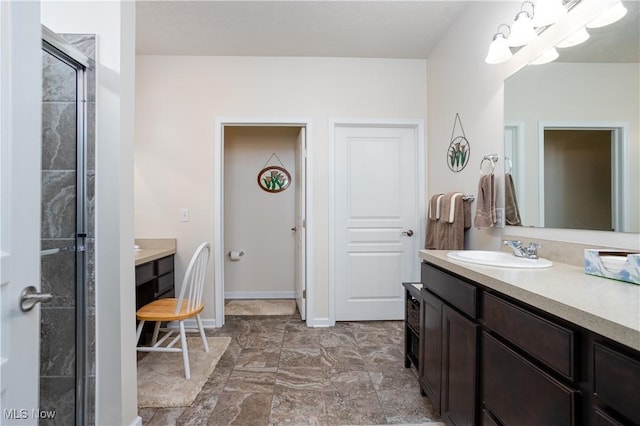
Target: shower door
{"points": [[64, 376]]}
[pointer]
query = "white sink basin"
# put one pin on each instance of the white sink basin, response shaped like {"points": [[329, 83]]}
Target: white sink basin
{"points": [[497, 258]]}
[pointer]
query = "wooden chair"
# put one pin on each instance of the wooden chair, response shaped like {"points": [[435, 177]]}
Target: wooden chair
{"points": [[188, 305]]}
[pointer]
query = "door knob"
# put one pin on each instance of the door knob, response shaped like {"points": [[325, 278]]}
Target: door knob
{"points": [[408, 233], [30, 296]]}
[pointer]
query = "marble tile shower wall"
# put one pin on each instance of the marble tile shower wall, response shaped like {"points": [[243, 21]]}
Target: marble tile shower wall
{"points": [[58, 344]]}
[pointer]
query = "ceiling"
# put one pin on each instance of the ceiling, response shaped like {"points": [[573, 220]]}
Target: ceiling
{"points": [[364, 29], [334, 28]]}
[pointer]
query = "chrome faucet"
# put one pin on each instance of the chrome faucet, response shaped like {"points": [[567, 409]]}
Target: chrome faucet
{"points": [[530, 252]]}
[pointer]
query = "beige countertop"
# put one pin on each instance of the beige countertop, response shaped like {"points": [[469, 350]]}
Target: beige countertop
{"points": [[152, 249], [607, 307]]}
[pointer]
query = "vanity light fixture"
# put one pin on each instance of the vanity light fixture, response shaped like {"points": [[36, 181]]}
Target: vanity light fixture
{"points": [[609, 16], [499, 50], [547, 12], [548, 56], [574, 39], [522, 31]]}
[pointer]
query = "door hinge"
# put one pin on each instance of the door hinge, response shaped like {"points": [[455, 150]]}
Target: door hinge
{"points": [[304, 294], [304, 223]]}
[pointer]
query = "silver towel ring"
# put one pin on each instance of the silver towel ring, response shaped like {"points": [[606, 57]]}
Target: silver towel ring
{"points": [[492, 158], [507, 163]]}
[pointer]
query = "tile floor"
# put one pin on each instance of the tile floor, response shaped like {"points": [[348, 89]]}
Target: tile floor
{"points": [[276, 371]]}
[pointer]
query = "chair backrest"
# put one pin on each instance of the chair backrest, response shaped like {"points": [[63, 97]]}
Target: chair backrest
{"points": [[193, 283]]}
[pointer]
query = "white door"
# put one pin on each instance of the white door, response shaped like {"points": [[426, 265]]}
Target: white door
{"points": [[300, 228], [376, 220], [20, 137]]}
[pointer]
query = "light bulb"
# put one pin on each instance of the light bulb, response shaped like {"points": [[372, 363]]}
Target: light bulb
{"points": [[574, 39], [522, 31], [547, 12], [499, 50]]}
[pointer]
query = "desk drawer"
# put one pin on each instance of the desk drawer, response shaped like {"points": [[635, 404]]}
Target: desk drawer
{"points": [[453, 290], [144, 273], [165, 283], [549, 343], [164, 265]]}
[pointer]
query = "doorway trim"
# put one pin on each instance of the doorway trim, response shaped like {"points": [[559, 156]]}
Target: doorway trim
{"points": [[418, 127], [218, 205], [620, 176]]}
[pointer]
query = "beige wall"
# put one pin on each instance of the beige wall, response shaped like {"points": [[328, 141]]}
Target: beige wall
{"points": [[178, 99], [459, 81], [255, 221]]}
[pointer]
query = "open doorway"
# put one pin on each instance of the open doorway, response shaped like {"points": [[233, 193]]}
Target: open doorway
{"points": [[259, 220], [261, 243], [583, 177]]}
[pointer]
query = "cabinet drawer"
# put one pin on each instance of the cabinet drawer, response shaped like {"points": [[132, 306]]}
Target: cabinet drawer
{"points": [[548, 342], [144, 273], [487, 420], [460, 294], [603, 419], [164, 265], [165, 283], [518, 393], [616, 379]]}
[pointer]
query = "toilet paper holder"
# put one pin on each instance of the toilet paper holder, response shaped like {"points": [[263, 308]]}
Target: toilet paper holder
{"points": [[234, 255]]}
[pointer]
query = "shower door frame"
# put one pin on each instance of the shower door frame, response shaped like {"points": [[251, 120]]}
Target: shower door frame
{"points": [[65, 52]]}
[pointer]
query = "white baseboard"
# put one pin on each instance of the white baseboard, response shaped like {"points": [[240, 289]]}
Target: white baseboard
{"points": [[211, 323], [322, 322], [137, 421], [191, 323], [259, 294]]}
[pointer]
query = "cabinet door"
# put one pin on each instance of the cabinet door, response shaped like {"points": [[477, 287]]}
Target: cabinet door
{"points": [[431, 348], [459, 377]]}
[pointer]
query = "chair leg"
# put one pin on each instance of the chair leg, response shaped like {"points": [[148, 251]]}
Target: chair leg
{"points": [[202, 336], [156, 330], [139, 331], [185, 351]]}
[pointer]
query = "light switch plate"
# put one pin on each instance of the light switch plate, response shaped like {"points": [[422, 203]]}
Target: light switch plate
{"points": [[500, 217], [184, 215]]}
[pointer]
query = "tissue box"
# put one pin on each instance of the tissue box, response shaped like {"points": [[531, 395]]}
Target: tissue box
{"points": [[615, 264]]}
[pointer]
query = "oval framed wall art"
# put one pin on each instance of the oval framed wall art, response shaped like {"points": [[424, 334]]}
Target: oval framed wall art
{"points": [[274, 179]]}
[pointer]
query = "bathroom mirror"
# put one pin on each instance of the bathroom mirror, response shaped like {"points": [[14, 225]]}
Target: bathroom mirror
{"points": [[572, 133]]}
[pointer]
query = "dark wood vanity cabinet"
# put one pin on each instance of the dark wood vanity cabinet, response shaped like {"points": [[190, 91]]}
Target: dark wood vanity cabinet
{"points": [[448, 368], [487, 359]]}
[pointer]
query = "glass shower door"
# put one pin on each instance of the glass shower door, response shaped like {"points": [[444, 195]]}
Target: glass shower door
{"points": [[63, 346]]}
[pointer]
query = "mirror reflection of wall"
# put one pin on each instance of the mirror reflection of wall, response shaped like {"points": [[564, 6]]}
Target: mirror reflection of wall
{"points": [[583, 93]]}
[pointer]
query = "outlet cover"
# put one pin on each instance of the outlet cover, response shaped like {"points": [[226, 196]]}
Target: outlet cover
{"points": [[184, 215], [500, 217]]}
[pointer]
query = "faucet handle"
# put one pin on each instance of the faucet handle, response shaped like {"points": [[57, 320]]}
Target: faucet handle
{"points": [[532, 250]]}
